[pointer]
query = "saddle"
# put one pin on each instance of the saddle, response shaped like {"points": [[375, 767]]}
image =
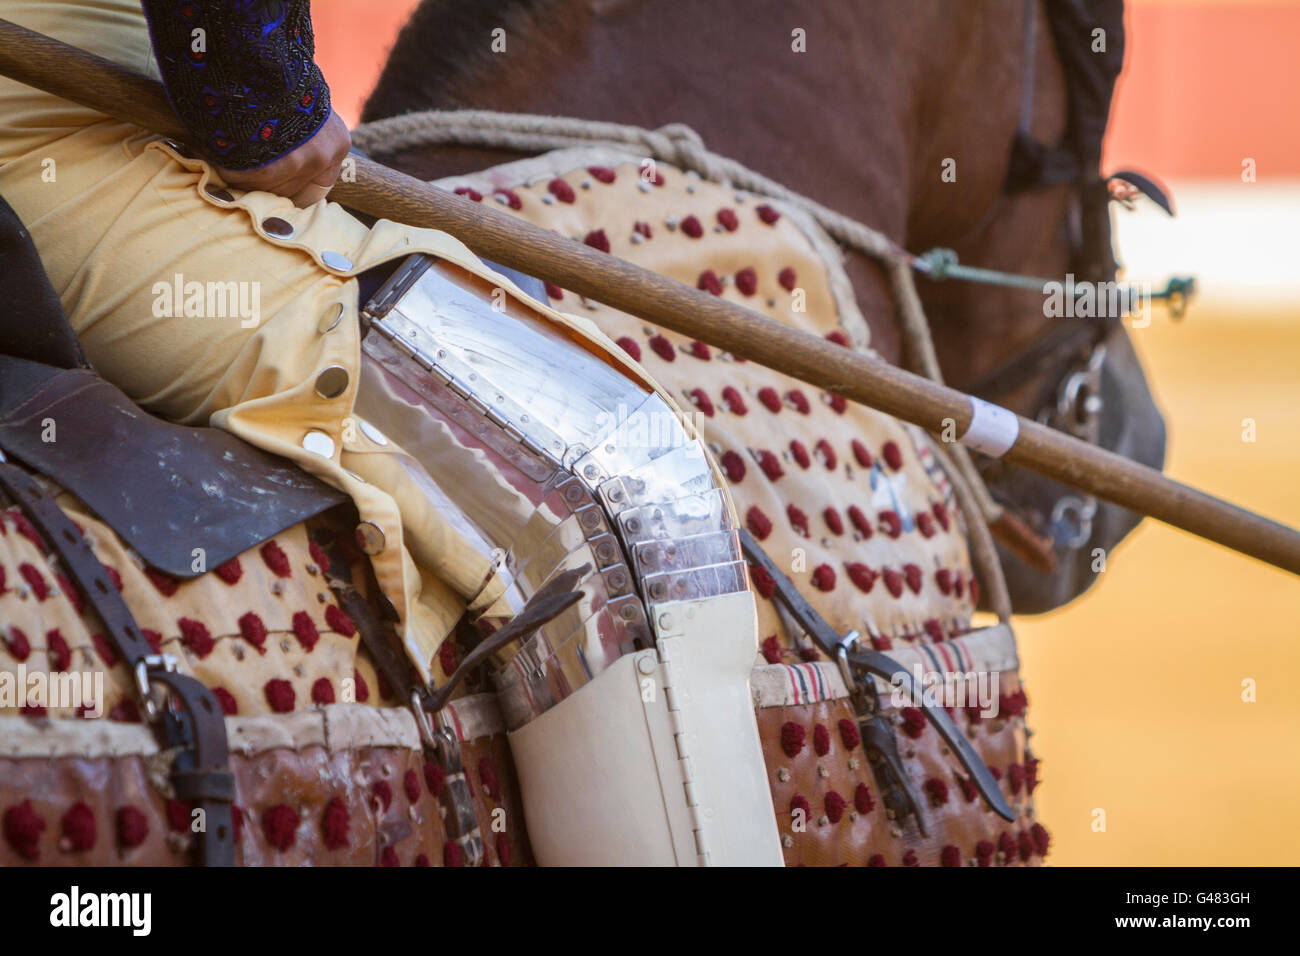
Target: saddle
{"points": [[189, 487]]}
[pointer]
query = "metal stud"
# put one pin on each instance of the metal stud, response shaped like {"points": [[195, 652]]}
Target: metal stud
{"points": [[332, 382], [278, 227], [219, 194], [318, 443], [330, 319], [370, 537], [336, 261]]}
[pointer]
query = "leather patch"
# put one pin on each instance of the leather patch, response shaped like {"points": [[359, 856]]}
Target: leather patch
{"points": [[166, 489]]}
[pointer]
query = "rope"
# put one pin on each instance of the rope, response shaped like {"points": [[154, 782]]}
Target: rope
{"points": [[680, 146]]}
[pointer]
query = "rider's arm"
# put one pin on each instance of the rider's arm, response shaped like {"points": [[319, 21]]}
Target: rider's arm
{"points": [[242, 79]]}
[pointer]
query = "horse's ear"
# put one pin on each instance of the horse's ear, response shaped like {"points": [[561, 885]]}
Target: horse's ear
{"points": [[1148, 187]]}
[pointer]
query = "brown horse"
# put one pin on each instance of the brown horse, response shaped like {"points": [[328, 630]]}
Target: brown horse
{"points": [[902, 116]]}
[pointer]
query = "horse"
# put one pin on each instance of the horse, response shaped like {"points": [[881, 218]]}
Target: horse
{"points": [[903, 117]]}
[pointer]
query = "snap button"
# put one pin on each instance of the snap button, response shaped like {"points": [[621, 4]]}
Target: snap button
{"points": [[370, 537], [277, 227], [330, 319], [373, 433], [318, 443], [332, 382], [219, 194], [336, 260]]}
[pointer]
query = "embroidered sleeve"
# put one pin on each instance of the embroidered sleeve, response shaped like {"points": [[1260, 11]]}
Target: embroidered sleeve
{"points": [[241, 75]]}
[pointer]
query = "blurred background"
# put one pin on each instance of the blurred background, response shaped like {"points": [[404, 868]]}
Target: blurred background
{"points": [[1136, 688]]}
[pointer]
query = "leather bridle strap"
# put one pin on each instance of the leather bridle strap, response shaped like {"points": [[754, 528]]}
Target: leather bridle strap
{"points": [[201, 769], [1067, 341]]}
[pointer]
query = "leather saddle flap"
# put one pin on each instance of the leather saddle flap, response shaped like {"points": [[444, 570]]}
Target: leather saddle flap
{"points": [[166, 489]]}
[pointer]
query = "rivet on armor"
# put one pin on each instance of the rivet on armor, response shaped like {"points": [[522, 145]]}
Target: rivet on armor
{"points": [[332, 382], [331, 318], [646, 664], [370, 537], [787, 841], [823, 772], [336, 261], [782, 774], [823, 820], [217, 193], [318, 443], [278, 227]]}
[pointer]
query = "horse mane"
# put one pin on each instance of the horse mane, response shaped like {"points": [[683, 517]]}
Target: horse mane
{"points": [[443, 49]]}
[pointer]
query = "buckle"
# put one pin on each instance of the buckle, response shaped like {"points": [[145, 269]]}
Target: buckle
{"points": [[143, 685]]}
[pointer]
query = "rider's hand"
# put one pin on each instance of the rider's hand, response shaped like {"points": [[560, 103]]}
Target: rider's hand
{"points": [[305, 174]]}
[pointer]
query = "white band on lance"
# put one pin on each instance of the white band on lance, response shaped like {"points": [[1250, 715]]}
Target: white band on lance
{"points": [[993, 429]]}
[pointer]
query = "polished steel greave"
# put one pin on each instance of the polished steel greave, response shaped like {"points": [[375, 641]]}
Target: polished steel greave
{"points": [[546, 457]]}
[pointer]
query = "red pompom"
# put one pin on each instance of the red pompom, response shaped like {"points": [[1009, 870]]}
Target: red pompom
{"points": [[735, 401], [893, 582], [280, 695], [800, 454], [834, 805], [950, 856], [304, 628], [913, 721], [553, 291], [132, 827], [861, 522], [360, 686], [78, 826], [319, 557], [231, 571], [1015, 778], [734, 466], [275, 559], [892, 522], [787, 279], [862, 455], [914, 576], [701, 351], [771, 649], [771, 465], [597, 240], [893, 455], [763, 582], [447, 656], [967, 786], [833, 521], [602, 173], [877, 859], [56, 648], [334, 824], [16, 642], [195, 636], [943, 579], [1040, 838], [937, 791], [1026, 846], [862, 800], [512, 198], [389, 857], [798, 401], [829, 458], [179, 815], [104, 649], [691, 226], [849, 733], [561, 190], [487, 775], [1007, 846], [69, 591], [934, 627], [940, 514], [227, 701], [337, 620], [909, 859], [984, 851], [280, 826], [703, 402], [452, 855], [709, 282], [383, 793], [838, 403], [253, 631], [727, 219], [643, 228], [821, 740], [411, 784], [322, 691], [798, 520], [747, 281], [767, 214], [663, 348], [823, 577], [628, 345], [434, 776], [770, 399], [838, 337], [1031, 774], [862, 577], [423, 858], [758, 523], [924, 524], [34, 580], [800, 802], [792, 738]]}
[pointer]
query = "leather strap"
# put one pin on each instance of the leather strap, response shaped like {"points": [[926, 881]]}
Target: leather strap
{"points": [[864, 663], [198, 727]]}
